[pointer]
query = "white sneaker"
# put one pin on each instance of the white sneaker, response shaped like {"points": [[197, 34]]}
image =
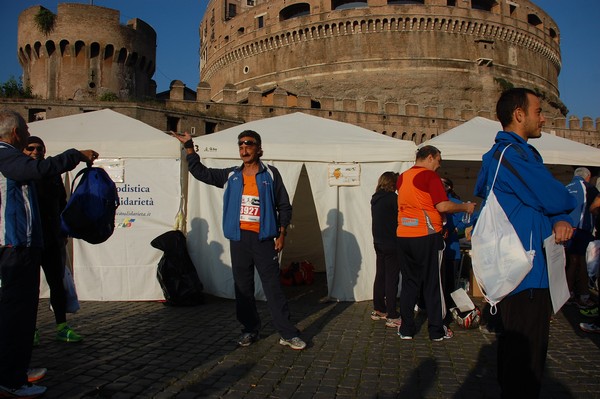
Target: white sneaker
{"points": [[294, 343], [26, 391]]}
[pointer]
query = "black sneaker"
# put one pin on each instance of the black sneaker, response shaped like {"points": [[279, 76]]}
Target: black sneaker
{"points": [[246, 339]]}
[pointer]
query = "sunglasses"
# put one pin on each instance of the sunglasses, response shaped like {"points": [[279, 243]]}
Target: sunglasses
{"points": [[248, 143], [32, 148]]}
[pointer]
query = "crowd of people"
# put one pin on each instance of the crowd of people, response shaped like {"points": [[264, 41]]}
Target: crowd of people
{"points": [[417, 219], [419, 236]]}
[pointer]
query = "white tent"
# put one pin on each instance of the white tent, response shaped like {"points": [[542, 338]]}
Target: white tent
{"points": [[472, 139], [146, 164], [465, 144], [331, 225]]}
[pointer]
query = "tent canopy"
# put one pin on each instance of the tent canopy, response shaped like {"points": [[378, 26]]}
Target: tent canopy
{"points": [[330, 223], [472, 139], [146, 166], [111, 134], [303, 137]]}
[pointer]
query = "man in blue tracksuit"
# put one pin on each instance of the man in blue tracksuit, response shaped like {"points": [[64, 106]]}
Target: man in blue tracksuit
{"points": [[537, 205], [256, 213], [21, 245], [588, 202]]}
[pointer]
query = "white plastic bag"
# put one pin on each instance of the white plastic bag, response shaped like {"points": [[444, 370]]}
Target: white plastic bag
{"points": [[499, 260], [592, 258], [72, 300]]}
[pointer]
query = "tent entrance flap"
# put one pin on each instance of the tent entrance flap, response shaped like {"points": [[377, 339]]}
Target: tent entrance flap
{"points": [[304, 241]]}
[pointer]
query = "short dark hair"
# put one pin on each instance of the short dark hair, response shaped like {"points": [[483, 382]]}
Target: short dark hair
{"points": [[253, 134], [426, 151], [509, 101]]}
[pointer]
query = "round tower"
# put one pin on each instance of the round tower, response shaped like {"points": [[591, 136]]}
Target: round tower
{"points": [[440, 53], [83, 52]]}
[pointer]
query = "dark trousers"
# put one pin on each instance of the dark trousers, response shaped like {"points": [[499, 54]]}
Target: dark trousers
{"points": [[523, 344], [247, 254], [387, 277], [54, 270], [19, 292], [420, 259]]}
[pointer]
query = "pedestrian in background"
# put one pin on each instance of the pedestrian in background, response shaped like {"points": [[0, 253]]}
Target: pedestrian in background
{"points": [[52, 199], [384, 222]]}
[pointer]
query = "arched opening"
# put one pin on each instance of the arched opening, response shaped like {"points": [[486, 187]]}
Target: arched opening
{"points": [[347, 4], [94, 50], [50, 48], [294, 11], [64, 48], [534, 20]]}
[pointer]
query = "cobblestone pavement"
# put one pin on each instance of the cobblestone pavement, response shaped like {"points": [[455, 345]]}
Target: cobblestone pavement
{"points": [[149, 350]]}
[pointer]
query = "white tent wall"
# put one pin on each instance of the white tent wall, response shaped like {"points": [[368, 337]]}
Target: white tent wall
{"points": [[463, 147], [206, 244], [344, 217], [123, 267], [343, 213]]}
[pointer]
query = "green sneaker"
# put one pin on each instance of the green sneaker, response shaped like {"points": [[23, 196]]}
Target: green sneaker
{"points": [[66, 334], [36, 338]]}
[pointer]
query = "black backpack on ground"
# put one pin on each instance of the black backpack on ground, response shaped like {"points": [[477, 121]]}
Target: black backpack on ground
{"points": [[176, 273], [90, 211]]}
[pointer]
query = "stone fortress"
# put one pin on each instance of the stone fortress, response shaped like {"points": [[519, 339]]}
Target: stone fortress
{"points": [[410, 69], [84, 52]]}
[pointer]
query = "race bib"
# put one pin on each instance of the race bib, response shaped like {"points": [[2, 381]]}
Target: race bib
{"points": [[250, 209]]}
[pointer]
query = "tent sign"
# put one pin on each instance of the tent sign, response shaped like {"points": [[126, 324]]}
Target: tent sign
{"points": [[343, 174]]}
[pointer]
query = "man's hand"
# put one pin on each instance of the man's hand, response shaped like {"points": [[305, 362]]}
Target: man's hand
{"points": [[563, 232], [182, 137], [279, 243], [88, 156]]}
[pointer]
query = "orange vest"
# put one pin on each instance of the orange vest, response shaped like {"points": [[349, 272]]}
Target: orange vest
{"points": [[419, 189], [250, 208]]}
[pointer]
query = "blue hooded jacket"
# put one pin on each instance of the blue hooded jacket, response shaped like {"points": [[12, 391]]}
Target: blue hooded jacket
{"points": [[531, 197], [275, 208]]}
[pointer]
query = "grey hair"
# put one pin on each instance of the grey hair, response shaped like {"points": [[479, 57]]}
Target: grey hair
{"points": [[582, 172], [8, 121]]}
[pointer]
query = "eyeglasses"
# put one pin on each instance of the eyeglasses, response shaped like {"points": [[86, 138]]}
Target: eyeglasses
{"points": [[248, 143], [32, 148]]}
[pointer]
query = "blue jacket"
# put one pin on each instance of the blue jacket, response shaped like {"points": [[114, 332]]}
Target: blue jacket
{"points": [[275, 208], [531, 197], [19, 214], [453, 226], [585, 194]]}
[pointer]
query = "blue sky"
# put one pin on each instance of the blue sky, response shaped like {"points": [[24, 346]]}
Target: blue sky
{"points": [[176, 23]]}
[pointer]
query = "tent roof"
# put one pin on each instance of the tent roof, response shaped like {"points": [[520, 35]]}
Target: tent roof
{"points": [[303, 137], [111, 134], [472, 139]]}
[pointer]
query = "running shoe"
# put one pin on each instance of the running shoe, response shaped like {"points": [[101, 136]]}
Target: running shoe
{"points": [[246, 339], [590, 312], [448, 333], [36, 374], [375, 315], [66, 334], [26, 391], [294, 343], [590, 327], [393, 323], [585, 303]]}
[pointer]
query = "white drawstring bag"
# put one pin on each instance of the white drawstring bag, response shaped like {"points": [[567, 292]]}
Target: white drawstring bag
{"points": [[499, 260]]}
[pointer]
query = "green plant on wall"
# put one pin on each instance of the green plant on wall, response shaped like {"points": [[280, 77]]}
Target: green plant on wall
{"points": [[108, 96], [44, 20]]}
